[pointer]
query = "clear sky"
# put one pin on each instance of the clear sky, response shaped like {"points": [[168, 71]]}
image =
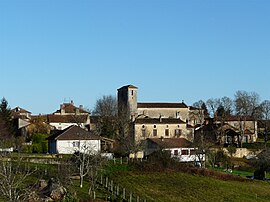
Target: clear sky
{"points": [[53, 51]]}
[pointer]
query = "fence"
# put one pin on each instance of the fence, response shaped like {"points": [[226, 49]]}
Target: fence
{"points": [[117, 191]]}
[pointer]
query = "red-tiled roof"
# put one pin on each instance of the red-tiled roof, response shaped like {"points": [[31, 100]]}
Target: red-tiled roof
{"points": [[159, 121], [67, 118], [70, 108], [74, 133], [171, 142], [161, 105]]}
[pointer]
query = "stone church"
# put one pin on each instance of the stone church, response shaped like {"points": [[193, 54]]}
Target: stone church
{"points": [[159, 119]]}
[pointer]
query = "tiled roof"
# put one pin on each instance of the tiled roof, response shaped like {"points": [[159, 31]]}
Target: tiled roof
{"points": [[236, 118], [171, 142], [161, 105], [159, 121], [127, 86], [19, 110], [70, 108], [67, 118], [74, 133]]}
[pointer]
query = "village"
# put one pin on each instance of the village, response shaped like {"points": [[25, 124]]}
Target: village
{"points": [[124, 130]]}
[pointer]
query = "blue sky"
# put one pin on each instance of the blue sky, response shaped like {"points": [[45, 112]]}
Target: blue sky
{"points": [[53, 51]]}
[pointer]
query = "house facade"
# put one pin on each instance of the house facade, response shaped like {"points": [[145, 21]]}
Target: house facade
{"points": [[244, 127], [179, 148], [69, 115], [73, 139]]}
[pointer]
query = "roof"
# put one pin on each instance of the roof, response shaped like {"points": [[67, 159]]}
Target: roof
{"points": [[159, 121], [70, 108], [19, 110], [161, 105], [127, 86], [194, 108], [73, 133], [67, 118], [171, 142], [236, 118]]}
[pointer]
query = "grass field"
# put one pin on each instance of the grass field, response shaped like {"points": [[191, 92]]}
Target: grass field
{"points": [[182, 187]]}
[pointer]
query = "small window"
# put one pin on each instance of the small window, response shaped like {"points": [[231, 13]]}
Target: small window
{"points": [[175, 152], [143, 133], [76, 144], [177, 132], [155, 126], [184, 152], [167, 132], [155, 132], [192, 152], [143, 126]]}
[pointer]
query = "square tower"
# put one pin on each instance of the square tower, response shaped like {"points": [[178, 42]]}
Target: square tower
{"points": [[127, 100]]}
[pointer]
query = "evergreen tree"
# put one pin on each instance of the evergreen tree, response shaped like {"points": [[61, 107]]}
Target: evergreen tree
{"points": [[6, 123]]}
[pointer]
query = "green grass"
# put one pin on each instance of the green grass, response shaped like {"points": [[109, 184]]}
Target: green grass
{"points": [[175, 187]]}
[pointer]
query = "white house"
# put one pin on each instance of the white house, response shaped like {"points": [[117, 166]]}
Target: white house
{"points": [[69, 115], [179, 148], [73, 139]]}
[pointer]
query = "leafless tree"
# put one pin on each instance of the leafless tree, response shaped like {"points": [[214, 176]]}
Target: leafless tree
{"points": [[106, 111], [246, 104], [265, 113], [13, 175]]}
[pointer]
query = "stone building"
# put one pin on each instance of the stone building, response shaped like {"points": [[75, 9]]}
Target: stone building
{"points": [[158, 119]]}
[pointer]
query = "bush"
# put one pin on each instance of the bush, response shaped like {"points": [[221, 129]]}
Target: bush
{"points": [[40, 144]]}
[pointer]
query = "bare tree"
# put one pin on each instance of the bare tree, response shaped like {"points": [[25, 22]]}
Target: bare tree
{"points": [[265, 112], [246, 104], [106, 111], [13, 175]]}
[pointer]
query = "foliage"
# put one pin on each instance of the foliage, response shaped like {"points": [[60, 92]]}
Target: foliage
{"points": [[7, 129]]}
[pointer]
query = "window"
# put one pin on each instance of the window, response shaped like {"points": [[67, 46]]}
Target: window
{"points": [[155, 126], [167, 132], [177, 132], [175, 152], [192, 152], [154, 132], [143, 133], [76, 144], [184, 152]]}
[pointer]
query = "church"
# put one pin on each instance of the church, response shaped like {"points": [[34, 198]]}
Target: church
{"points": [[158, 119]]}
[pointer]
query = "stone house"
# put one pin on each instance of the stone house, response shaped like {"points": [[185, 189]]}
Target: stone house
{"points": [[245, 127], [156, 120], [69, 115]]}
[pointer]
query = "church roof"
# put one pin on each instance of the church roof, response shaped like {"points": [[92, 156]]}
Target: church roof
{"points": [[161, 105]]}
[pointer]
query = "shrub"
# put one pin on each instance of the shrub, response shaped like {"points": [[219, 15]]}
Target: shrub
{"points": [[40, 144]]}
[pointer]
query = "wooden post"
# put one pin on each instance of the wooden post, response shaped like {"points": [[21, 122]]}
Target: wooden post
{"points": [[124, 193], [106, 183], [117, 190], [112, 186]]}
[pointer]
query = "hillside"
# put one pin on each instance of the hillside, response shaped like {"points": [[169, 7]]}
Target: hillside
{"points": [[177, 186]]}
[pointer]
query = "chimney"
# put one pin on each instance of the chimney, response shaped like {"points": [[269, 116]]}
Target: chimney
{"points": [[81, 106]]}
